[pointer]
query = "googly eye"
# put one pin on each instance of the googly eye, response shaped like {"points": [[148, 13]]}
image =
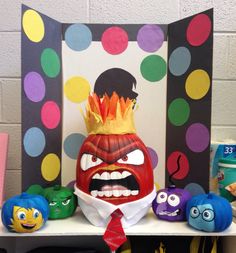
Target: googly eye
{"points": [[173, 200], [194, 212], [88, 161], [36, 213], [161, 197], [136, 157], [21, 215], [208, 215]]}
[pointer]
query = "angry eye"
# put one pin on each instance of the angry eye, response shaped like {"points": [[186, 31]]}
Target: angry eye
{"points": [[36, 213], [173, 200], [135, 157], [52, 203], [21, 215], [161, 197], [65, 202], [88, 161]]}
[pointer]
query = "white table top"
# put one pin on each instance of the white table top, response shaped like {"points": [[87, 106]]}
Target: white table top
{"points": [[78, 225]]}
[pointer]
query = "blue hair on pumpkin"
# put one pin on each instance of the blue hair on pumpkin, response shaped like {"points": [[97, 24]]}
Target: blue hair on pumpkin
{"points": [[27, 201], [209, 212]]}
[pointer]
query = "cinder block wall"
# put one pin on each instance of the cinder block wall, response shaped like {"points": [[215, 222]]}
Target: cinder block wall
{"points": [[114, 11]]}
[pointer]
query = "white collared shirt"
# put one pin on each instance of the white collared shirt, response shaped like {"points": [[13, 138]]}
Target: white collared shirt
{"points": [[98, 211]]}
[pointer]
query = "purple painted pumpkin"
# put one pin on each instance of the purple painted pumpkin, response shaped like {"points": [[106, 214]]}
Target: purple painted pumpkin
{"points": [[170, 204]]}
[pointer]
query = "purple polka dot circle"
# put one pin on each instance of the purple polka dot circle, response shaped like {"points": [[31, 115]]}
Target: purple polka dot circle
{"points": [[150, 38], [153, 156], [34, 86], [197, 137]]}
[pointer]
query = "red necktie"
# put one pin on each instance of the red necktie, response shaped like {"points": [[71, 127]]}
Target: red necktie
{"points": [[114, 235]]}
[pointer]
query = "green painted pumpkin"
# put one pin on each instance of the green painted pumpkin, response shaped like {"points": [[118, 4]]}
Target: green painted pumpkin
{"points": [[62, 201]]}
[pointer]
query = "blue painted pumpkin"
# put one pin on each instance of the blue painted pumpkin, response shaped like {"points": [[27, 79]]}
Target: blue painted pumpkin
{"points": [[25, 213], [209, 212]]}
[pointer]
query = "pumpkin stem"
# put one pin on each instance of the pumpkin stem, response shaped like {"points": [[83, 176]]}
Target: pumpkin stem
{"points": [[176, 171], [210, 196]]}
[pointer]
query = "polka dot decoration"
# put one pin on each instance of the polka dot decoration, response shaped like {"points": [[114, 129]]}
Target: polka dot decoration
{"points": [[179, 61], [178, 112], [33, 26], [50, 114], [153, 156], [153, 68], [50, 62], [189, 100], [197, 137], [77, 89], [41, 99], [172, 165], [72, 144], [50, 167], [197, 84], [194, 189], [34, 141], [114, 40], [199, 30], [150, 38], [34, 86], [78, 37], [188, 74]]}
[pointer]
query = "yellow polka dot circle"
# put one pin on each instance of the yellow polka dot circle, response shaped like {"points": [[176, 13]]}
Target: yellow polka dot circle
{"points": [[33, 25], [50, 167], [77, 89], [197, 84]]}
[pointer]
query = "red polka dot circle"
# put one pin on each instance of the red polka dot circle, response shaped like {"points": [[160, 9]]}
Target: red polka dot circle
{"points": [[198, 30], [50, 115], [114, 40], [172, 165]]}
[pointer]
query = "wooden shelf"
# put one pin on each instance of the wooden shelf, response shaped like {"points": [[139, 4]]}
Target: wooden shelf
{"points": [[78, 225]]}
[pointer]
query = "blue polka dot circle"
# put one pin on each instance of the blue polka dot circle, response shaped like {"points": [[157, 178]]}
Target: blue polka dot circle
{"points": [[78, 37], [34, 141], [72, 144], [179, 61], [194, 189]]}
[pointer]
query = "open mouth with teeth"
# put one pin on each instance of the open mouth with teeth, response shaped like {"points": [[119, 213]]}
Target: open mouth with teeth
{"points": [[113, 184], [175, 213], [28, 226]]}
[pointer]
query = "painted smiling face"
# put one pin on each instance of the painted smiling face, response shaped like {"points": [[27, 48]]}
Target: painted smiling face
{"points": [[25, 213], [170, 204], [26, 220], [114, 168]]}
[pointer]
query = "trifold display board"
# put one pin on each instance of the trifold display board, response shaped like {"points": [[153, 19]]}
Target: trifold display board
{"points": [[166, 68]]}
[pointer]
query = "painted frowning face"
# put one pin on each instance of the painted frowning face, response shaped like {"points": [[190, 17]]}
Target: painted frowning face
{"points": [[114, 168], [26, 220]]}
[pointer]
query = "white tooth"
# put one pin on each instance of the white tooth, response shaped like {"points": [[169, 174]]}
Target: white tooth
{"points": [[108, 193], [100, 193], [116, 175], [134, 192], [94, 193], [126, 193], [125, 174], [105, 176], [96, 176], [116, 193]]}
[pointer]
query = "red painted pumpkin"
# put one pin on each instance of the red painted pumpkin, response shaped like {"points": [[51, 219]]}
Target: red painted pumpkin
{"points": [[115, 168]]}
